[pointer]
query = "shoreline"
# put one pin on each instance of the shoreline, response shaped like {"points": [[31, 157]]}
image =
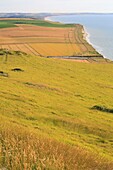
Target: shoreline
{"points": [[48, 19], [86, 36]]}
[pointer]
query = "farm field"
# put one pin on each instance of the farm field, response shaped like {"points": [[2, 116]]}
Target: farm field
{"points": [[44, 41], [55, 114]]}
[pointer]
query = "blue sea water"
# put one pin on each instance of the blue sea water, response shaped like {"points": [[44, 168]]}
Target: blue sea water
{"points": [[98, 26]]}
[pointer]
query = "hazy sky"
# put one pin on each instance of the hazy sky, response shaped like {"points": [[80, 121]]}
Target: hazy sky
{"points": [[56, 6]]}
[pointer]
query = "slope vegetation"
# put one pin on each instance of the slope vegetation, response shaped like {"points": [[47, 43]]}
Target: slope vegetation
{"points": [[49, 116]]}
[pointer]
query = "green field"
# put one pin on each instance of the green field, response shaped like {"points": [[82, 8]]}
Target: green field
{"points": [[46, 115], [6, 24], [13, 22]]}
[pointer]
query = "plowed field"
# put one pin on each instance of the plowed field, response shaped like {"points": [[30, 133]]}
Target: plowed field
{"points": [[46, 41]]}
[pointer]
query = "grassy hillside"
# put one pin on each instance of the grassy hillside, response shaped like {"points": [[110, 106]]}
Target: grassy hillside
{"points": [[47, 114], [12, 23]]}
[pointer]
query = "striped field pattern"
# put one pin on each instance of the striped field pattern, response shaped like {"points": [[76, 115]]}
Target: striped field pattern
{"points": [[45, 41]]}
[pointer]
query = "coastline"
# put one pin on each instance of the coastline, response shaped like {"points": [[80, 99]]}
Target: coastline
{"points": [[48, 19], [86, 36]]}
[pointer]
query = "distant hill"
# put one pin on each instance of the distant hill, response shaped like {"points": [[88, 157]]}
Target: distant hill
{"points": [[26, 15], [41, 15]]}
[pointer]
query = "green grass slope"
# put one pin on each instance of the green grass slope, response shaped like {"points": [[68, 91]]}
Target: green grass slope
{"points": [[46, 115]]}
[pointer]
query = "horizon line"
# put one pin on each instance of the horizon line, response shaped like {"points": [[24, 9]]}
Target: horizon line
{"points": [[56, 12]]}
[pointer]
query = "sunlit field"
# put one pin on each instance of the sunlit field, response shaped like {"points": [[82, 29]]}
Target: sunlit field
{"points": [[42, 38], [55, 114]]}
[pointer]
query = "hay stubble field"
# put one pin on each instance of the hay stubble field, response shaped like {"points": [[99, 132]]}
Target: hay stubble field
{"points": [[46, 41]]}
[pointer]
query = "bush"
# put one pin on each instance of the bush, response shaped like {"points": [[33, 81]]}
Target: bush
{"points": [[102, 108]]}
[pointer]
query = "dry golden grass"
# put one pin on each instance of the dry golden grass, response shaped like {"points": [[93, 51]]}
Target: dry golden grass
{"points": [[22, 148]]}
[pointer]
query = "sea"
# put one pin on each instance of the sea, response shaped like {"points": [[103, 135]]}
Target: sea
{"points": [[99, 29]]}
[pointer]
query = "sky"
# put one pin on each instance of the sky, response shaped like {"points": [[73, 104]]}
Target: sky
{"points": [[36, 6]]}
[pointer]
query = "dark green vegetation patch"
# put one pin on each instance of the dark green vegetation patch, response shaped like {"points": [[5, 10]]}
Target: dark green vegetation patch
{"points": [[11, 52], [102, 108]]}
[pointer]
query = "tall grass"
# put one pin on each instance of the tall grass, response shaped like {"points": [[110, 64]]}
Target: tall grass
{"points": [[24, 149]]}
